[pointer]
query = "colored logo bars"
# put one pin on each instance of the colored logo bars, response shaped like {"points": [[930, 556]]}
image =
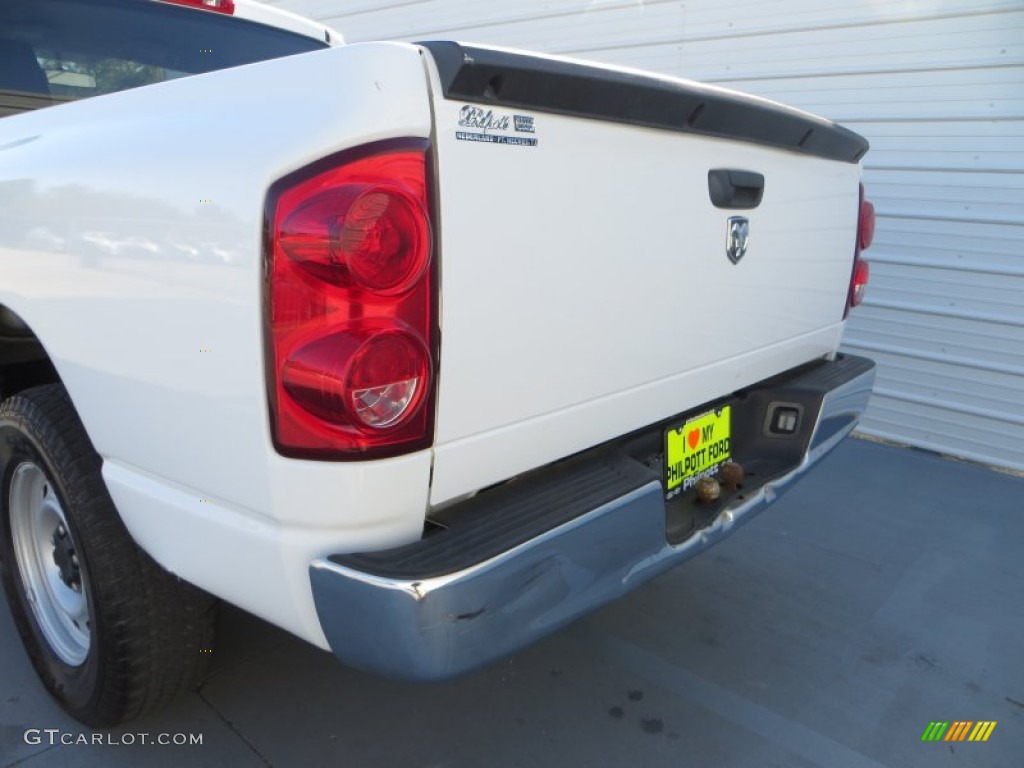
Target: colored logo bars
{"points": [[960, 730]]}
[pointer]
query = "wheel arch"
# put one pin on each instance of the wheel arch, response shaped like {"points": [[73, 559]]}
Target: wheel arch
{"points": [[24, 360]]}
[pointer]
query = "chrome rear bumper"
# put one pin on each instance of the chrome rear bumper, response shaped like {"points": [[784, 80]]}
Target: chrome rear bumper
{"points": [[440, 625]]}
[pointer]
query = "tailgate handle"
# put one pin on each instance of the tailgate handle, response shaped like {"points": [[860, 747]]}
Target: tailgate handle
{"points": [[732, 188]]}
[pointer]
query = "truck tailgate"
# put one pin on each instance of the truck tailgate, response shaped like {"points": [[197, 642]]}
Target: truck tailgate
{"points": [[587, 288]]}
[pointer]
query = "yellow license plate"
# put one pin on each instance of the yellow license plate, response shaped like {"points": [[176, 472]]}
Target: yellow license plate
{"points": [[695, 449]]}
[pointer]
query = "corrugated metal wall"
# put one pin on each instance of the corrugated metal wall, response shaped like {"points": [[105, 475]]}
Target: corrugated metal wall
{"points": [[938, 88]]}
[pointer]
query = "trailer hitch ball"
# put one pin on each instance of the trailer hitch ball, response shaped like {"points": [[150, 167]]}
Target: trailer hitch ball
{"points": [[708, 490], [730, 475]]}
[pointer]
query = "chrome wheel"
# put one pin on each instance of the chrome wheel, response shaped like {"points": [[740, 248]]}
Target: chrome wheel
{"points": [[48, 561]]}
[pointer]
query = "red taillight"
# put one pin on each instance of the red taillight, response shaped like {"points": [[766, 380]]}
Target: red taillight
{"points": [[386, 379], [865, 235], [221, 6], [372, 236], [861, 274], [350, 305], [866, 227], [369, 377]]}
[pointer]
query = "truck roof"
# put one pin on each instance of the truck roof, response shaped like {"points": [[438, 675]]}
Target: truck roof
{"points": [[266, 14]]}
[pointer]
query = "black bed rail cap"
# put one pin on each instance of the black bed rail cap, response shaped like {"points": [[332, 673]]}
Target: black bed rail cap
{"points": [[511, 79]]}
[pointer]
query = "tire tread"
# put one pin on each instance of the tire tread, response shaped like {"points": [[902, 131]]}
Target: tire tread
{"points": [[154, 632]]}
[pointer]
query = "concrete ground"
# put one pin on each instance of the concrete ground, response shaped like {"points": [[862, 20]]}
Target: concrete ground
{"points": [[885, 592]]}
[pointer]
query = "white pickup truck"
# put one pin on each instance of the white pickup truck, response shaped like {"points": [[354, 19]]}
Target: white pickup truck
{"points": [[419, 352]]}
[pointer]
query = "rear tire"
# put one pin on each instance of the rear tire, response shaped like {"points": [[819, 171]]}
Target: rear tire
{"points": [[110, 633]]}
